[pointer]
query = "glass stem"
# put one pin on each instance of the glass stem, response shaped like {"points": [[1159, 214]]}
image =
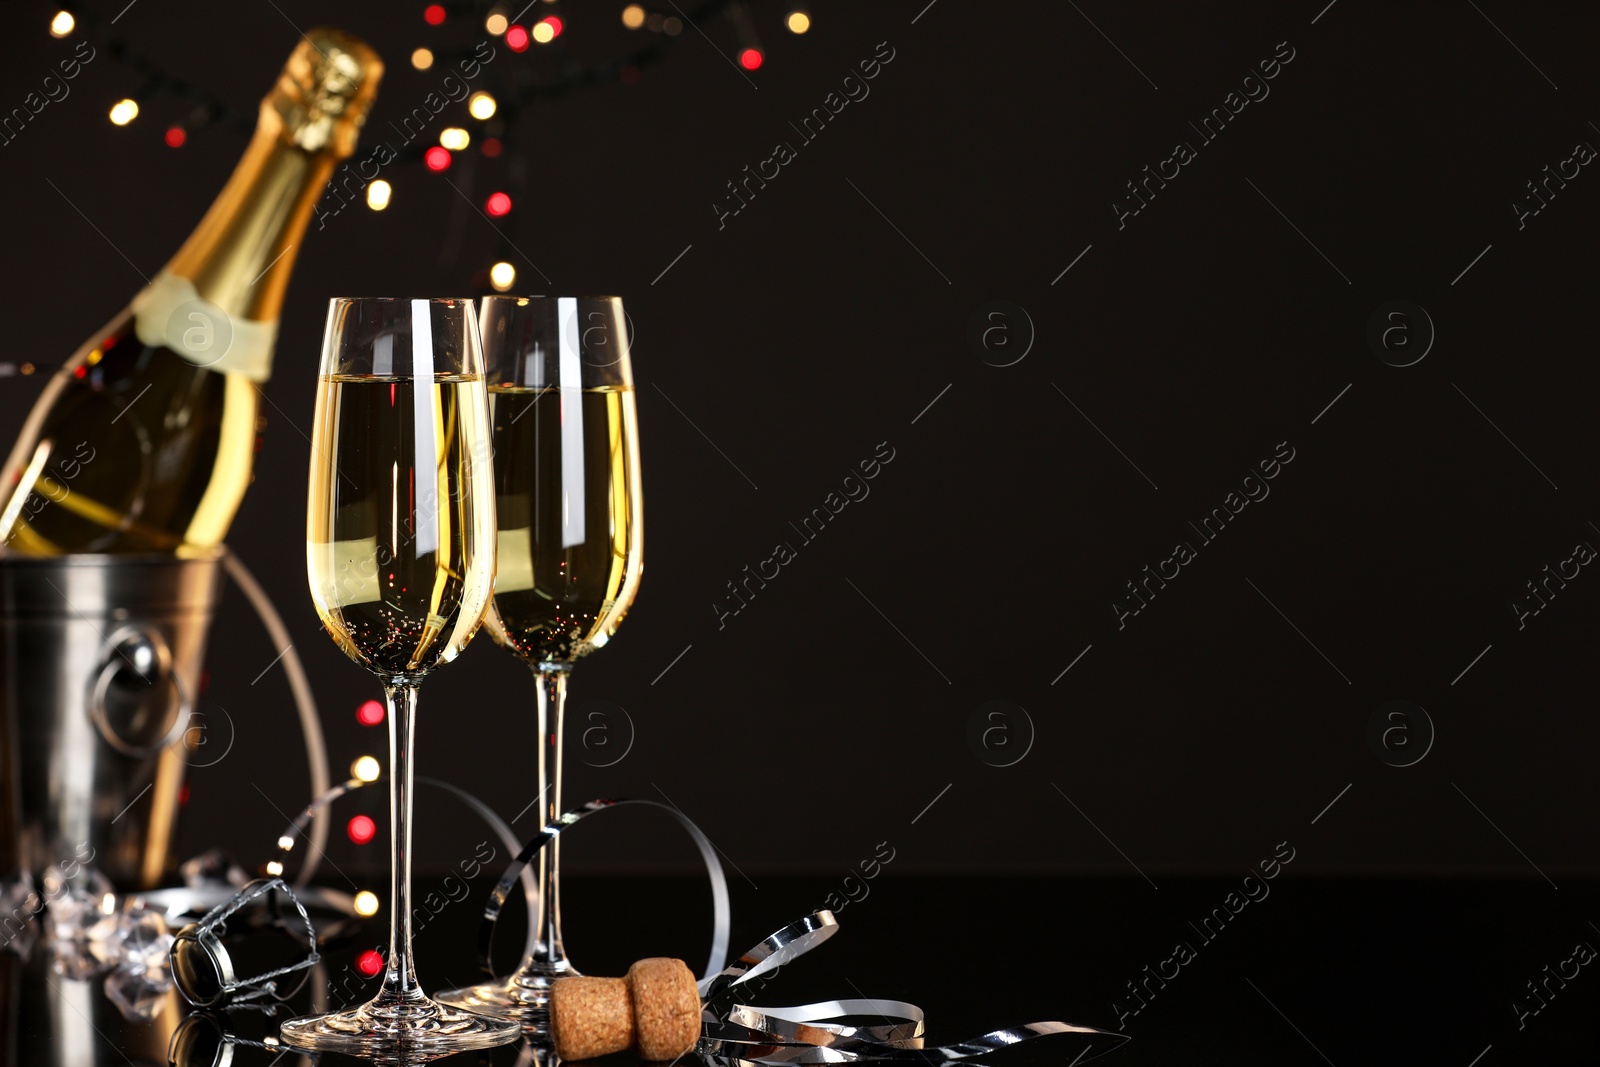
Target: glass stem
{"points": [[549, 955], [400, 977]]}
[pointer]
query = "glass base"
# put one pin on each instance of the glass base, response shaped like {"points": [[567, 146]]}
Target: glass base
{"points": [[523, 998], [377, 1030]]}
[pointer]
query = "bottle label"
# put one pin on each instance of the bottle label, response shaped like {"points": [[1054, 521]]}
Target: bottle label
{"points": [[170, 312]]}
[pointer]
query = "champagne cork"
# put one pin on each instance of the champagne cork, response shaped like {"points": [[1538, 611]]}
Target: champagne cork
{"points": [[655, 1011]]}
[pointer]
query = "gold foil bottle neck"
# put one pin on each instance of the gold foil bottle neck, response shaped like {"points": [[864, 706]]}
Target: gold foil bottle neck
{"points": [[323, 94]]}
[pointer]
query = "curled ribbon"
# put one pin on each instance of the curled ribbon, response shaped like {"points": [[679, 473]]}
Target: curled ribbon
{"points": [[746, 1036], [722, 912], [818, 1032]]}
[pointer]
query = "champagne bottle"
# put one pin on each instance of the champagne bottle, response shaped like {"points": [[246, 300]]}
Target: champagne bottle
{"points": [[143, 440]]}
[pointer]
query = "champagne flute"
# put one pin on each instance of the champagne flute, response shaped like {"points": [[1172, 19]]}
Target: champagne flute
{"points": [[570, 506], [400, 539]]}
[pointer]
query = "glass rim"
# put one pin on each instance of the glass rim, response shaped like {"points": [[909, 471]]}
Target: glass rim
{"points": [[400, 299], [547, 296]]}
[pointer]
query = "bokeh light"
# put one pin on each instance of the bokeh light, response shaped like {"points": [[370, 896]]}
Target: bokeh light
{"points": [[361, 829]]}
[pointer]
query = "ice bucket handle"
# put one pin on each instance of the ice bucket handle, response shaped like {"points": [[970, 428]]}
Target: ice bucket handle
{"points": [[143, 652]]}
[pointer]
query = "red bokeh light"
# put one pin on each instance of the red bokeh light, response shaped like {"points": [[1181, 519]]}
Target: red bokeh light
{"points": [[370, 713], [492, 147], [751, 59], [437, 157], [370, 962], [183, 795], [361, 829], [555, 25], [433, 14], [498, 204], [517, 39], [175, 136]]}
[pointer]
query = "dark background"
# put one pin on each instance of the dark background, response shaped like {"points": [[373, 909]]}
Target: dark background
{"points": [[824, 319]]}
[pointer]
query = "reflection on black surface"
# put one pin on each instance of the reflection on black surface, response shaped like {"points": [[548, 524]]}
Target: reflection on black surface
{"points": [[227, 1039], [1374, 971]]}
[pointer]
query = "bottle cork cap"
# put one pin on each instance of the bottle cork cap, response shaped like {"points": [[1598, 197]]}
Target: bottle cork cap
{"points": [[666, 1008], [325, 90], [655, 1010]]}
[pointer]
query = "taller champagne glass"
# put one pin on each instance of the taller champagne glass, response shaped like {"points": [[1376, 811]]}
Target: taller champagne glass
{"points": [[570, 506], [400, 539]]}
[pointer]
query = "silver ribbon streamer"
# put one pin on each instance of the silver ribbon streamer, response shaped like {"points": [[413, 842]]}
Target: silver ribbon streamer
{"points": [[817, 1033], [722, 911]]}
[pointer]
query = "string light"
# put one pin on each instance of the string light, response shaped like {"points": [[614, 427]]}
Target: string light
{"points": [[365, 903], [498, 204], [366, 769], [62, 24], [205, 109], [369, 962], [370, 713], [502, 276], [361, 829], [274, 868]]}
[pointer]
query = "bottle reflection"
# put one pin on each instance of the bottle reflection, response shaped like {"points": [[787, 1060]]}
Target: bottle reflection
{"points": [[50, 1020]]}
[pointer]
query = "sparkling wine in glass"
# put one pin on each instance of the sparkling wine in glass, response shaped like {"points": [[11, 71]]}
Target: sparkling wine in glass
{"points": [[400, 550], [571, 548]]}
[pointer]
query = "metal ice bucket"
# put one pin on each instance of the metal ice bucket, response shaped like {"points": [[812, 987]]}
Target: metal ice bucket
{"points": [[99, 665]]}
